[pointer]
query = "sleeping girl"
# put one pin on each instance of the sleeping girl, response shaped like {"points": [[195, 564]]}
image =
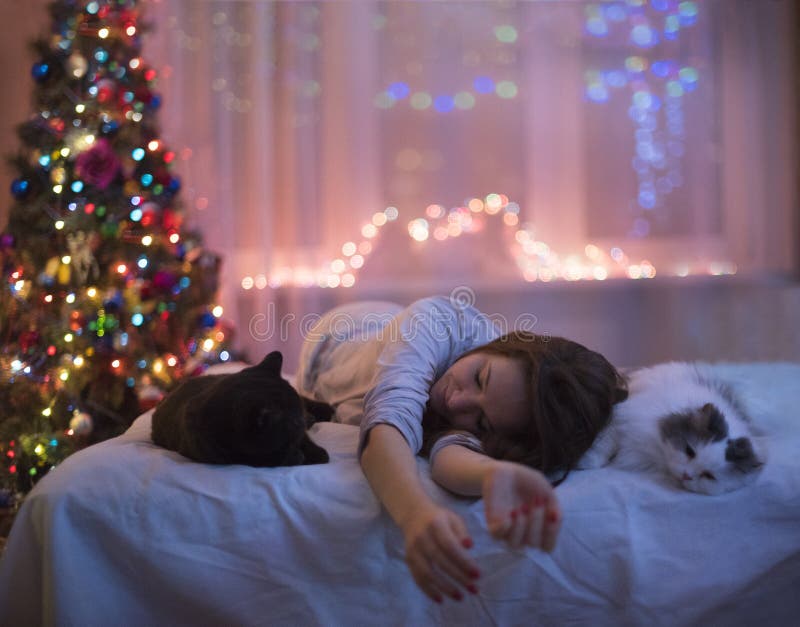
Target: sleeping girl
{"points": [[494, 413]]}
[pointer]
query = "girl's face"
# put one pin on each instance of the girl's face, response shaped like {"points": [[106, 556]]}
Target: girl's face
{"points": [[482, 394]]}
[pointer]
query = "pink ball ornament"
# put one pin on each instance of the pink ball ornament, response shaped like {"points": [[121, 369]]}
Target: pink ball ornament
{"points": [[99, 165], [164, 281]]}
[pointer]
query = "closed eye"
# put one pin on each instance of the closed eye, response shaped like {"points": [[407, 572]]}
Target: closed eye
{"points": [[484, 426], [689, 452], [707, 475], [487, 372]]}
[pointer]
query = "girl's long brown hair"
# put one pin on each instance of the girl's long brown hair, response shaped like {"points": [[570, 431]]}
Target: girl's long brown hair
{"points": [[571, 390]]}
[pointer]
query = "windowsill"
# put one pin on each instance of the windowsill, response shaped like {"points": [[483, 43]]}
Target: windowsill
{"points": [[389, 287]]}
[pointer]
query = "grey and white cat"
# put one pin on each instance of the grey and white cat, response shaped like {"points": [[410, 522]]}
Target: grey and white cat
{"points": [[681, 422]]}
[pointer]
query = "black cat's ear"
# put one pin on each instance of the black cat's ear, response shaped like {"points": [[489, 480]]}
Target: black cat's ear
{"points": [[272, 363]]}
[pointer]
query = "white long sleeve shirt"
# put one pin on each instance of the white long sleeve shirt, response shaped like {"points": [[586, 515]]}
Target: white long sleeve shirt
{"points": [[375, 362]]}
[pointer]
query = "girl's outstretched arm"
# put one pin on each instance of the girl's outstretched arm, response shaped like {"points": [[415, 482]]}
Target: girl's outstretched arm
{"points": [[519, 503], [436, 538]]}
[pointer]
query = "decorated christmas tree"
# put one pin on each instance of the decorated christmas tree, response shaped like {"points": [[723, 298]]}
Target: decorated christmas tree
{"points": [[106, 300]]}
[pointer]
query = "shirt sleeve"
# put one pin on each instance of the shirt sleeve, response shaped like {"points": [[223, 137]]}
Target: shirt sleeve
{"points": [[420, 344], [462, 438]]}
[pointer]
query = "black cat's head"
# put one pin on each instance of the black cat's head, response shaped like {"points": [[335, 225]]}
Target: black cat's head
{"points": [[255, 417]]}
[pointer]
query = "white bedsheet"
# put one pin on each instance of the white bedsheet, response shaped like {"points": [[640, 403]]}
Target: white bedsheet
{"points": [[126, 533]]}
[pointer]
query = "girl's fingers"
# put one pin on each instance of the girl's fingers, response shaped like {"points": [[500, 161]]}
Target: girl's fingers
{"points": [[424, 576], [538, 516], [444, 585], [498, 497], [499, 527], [533, 534], [552, 525], [447, 577], [517, 532], [455, 545], [436, 574], [528, 510]]}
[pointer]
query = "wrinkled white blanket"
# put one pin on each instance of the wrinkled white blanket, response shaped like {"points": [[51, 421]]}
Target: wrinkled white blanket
{"points": [[126, 533]]}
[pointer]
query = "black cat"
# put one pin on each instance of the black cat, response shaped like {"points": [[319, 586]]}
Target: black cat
{"points": [[252, 417]]}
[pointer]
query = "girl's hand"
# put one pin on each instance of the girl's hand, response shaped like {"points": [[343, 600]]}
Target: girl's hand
{"points": [[436, 542], [521, 506]]}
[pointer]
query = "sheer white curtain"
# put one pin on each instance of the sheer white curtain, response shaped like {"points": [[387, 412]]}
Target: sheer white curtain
{"points": [[299, 121]]}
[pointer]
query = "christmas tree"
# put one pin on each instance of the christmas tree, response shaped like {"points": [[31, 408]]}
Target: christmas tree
{"points": [[106, 299]]}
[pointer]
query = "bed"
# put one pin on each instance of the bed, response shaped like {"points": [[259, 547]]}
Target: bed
{"points": [[126, 533]]}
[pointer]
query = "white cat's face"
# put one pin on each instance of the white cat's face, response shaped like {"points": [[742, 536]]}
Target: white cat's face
{"points": [[705, 470], [700, 455]]}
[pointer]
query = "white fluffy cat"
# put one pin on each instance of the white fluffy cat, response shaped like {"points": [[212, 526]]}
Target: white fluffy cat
{"points": [[679, 421]]}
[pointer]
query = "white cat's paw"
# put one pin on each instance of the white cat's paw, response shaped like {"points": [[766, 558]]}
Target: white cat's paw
{"points": [[600, 454]]}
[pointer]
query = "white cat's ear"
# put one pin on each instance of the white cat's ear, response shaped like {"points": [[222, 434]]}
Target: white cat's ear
{"points": [[601, 452]]}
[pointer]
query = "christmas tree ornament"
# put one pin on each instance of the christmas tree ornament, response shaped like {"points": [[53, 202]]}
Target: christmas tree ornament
{"points": [[56, 126], [63, 274], [41, 71], [51, 268], [143, 95], [20, 188], [149, 397], [120, 341], [58, 175], [105, 89], [113, 302], [76, 321], [171, 220], [29, 340], [162, 176], [81, 423], [98, 165], [163, 280], [83, 262], [109, 128], [22, 288], [207, 320], [77, 64], [7, 499]]}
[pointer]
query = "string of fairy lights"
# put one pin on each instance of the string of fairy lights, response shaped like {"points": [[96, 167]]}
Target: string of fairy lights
{"points": [[534, 258]]}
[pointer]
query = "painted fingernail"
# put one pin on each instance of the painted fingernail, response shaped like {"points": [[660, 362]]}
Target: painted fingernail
{"points": [[458, 596], [552, 516], [467, 543], [473, 589], [526, 507], [514, 513], [474, 573], [438, 599]]}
